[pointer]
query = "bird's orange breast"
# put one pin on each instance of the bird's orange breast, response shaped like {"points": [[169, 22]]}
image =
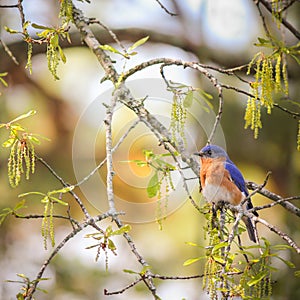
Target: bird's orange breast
{"points": [[216, 182]]}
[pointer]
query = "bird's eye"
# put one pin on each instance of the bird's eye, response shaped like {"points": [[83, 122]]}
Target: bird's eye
{"points": [[209, 152]]}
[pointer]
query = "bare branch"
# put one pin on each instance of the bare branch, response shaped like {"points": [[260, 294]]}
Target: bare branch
{"points": [[61, 180], [79, 228], [287, 24], [273, 228], [100, 165], [127, 287], [109, 164], [165, 9], [111, 33], [9, 6], [292, 113], [283, 235], [256, 208], [10, 54], [42, 216], [270, 195]]}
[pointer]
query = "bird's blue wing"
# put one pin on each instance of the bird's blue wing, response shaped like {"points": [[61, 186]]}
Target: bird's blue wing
{"points": [[236, 176], [239, 181]]}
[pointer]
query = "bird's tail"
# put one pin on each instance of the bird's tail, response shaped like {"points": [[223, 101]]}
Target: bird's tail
{"points": [[250, 228]]}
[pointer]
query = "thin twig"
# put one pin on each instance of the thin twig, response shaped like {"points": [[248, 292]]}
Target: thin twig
{"points": [[21, 10], [287, 24], [272, 196], [140, 259], [256, 208], [9, 6], [100, 165], [110, 32], [287, 6], [273, 228], [165, 9], [292, 113], [61, 180], [10, 54], [264, 22], [280, 233], [258, 188], [42, 216], [127, 287], [79, 228], [164, 277]]}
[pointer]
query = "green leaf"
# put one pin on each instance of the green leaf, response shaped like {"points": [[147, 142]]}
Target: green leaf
{"points": [[138, 43], [19, 205], [22, 275], [5, 213], [2, 80], [191, 261], [111, 245], [257, 278], [16, 127], [166, 164], [122, 230], [37, 26], [281, 247], [26, 24], [153, 186], [296, 58], [219, 246], [110, 49], [263, 41], [9, 143], [12, 31], [63, 190], [297, 273], [34, 139], [287, 262], [20, 296], [30, 113], [54, 41], [219, 260], [108, 231], [168, 154], [140, 163], [205, 95], [129, 271], [58, 201], [193, 244], [42, 290], [30, 193], [62, 55], [188, 100], [148, 154]]}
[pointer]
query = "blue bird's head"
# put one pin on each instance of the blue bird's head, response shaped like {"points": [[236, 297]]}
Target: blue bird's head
{"points": [[212, 151]]}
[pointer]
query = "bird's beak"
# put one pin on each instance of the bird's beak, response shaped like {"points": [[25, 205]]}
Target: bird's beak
{"points": [[198, 153]]}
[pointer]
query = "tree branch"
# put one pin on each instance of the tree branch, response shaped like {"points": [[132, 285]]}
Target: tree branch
{"points": [[79, 228], [165, 9], [272, 196], [64, 184], [287, 24], [283, 235]]}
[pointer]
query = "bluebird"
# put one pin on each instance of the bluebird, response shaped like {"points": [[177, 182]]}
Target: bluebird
{"points": [[221, 180]]}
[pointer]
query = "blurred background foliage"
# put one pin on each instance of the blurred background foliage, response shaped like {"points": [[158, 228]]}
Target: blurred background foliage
{"points": [[219, 33]]}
